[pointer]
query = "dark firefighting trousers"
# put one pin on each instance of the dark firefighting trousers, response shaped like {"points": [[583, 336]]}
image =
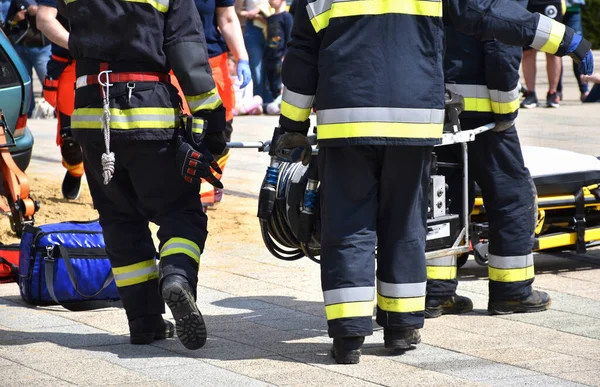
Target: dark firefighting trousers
{"points": [[373, 196], [496, 165], [146, 186]]}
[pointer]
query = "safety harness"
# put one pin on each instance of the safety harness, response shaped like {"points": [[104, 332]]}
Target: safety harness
{"points": [[106, 78]]}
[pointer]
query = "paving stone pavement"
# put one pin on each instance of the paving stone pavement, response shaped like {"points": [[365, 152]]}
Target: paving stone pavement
{"points": [[266, 321]]}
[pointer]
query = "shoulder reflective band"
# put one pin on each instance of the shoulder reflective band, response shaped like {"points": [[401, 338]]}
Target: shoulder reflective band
{"points": [[442, 268], [206, 101], [136, 118], [510, 269], [380, 122], [401, 298], [320, 11], [549, 35], [349, 302], [296, 106], [478, 98], [136, 273], [180, 246], [160, 5]]}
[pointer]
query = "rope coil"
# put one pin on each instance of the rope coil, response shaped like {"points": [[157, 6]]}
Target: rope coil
{"points": [[108, 158]]}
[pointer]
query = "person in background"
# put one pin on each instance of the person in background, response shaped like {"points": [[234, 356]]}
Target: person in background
{"points": [[573, 19], [279, 33], [245, 102], [31, 45], [594, 94], [4, 6], [253, 17], [554, 9]]}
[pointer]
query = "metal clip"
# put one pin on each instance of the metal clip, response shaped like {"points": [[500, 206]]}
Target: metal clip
{"points": [[130, 87], [49, 253], [105, 85]]}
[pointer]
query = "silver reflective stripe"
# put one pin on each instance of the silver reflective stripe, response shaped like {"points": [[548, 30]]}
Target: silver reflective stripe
{"points": [[81, 81], [513, 262], [444, 261], [302, 101], [504, 96], [380, 114], [201, 102], [542, 34], [164, 3], [136, 273], [401, 290], [469, 91], [338, 296], [127, 118], [175, 245], [318, 7]]}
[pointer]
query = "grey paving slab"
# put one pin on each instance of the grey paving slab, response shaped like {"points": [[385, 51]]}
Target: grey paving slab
{"points": [[76, 336], [30, 318], [201, 374], [533, 381], [590, 378], [18, 375], [136, 357], [216, 348], [39, 352], [576, 305]]}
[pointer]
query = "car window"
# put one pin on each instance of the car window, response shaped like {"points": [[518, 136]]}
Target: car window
{"points": [[8, 74]]}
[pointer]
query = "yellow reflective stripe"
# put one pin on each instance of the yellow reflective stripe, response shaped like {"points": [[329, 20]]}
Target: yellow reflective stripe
{"points": [[135, 273], [349, 309], [401, 305], [160, 5], [505, 107], [441, 272], [478, 105], [557, 32], [197, 125], [511, 275], [379, 129], [294, 113], [205, 101], [135, 118], [181, 246], [380, 7]]}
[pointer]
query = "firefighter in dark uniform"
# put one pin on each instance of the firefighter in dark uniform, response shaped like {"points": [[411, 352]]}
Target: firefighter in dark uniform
{"points": [[146, 167], [486, 74], [375, 74], [59, 91]]}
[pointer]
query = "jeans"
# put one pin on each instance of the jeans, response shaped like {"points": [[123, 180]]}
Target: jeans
{"points": [[255, 44], [573, 20], [4, 5], [35, 57]]}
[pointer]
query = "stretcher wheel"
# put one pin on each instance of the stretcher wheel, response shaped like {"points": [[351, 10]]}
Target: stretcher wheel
{"points": [[480, 259], [461, 260]]}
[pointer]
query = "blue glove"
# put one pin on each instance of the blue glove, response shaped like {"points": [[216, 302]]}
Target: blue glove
{"points": [[580, 51], [243, 72]]}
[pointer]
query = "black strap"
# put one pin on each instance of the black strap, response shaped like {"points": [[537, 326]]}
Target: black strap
{"points": [[78, 305], [579, 221]]}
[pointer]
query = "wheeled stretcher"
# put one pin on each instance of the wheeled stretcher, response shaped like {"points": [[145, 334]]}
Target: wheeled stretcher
{"points": [[568, 202]]}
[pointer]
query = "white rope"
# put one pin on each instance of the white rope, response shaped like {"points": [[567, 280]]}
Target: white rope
{"points": [[108, 158]]}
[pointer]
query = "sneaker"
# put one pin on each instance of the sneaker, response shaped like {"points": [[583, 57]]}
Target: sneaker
{"points": [[145, 330], [530, 100], [71, 187], [189, 323], [437, 306], [552, 100], [346, 350], [401, 339], [536, 302], [560, 95]]}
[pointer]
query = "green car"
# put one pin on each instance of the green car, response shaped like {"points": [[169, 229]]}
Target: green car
{"points": [[15, 94]]}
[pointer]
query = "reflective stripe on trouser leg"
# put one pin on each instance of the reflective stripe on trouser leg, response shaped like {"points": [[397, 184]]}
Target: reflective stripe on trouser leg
{"points": [[510, 276], [401, 229], [180, 256], [348, 195], [441, 276]]}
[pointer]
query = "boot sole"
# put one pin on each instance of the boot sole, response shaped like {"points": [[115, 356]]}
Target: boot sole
{"points": [[189, 323], [520, 309], [437, 312], [352, 357], [401, 344]]}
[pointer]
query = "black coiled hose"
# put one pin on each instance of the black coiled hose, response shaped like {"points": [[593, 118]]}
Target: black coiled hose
{"points": [[288, 209]]}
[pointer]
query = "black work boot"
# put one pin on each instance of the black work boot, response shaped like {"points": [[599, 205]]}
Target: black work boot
{"points": [[71, 186], [346, 350], [437, 306], [180, 299], [144, 330], [401, 339], [536, 302]]}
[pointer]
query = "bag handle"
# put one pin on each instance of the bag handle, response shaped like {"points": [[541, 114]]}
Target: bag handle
{"points": [[77, 306]]}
